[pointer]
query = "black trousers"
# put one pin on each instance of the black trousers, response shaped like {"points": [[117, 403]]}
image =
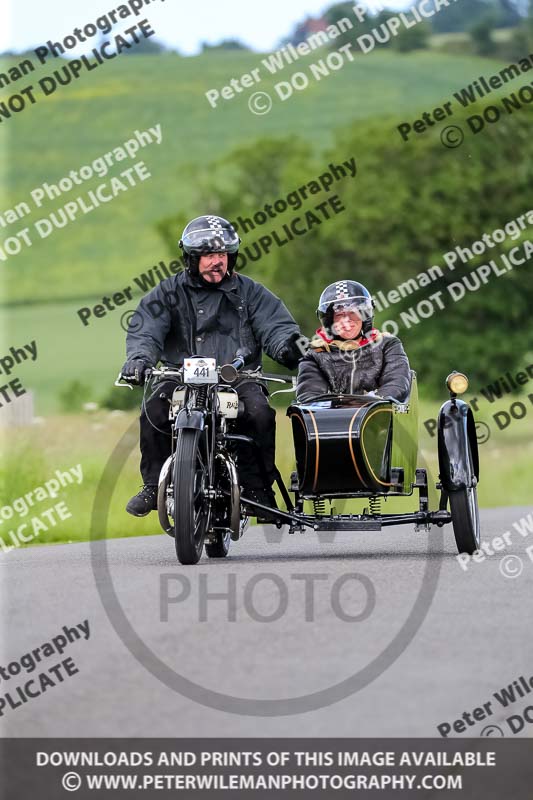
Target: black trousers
{"points": [[258, 421]]}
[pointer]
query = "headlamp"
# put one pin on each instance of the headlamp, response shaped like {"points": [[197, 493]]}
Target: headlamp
{"points": [[457, 383]]}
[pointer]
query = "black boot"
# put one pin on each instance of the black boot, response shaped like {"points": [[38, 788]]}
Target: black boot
{"points": [[264, 496], [144, 501]]}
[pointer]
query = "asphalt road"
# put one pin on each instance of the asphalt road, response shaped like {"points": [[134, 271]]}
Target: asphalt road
{"points": [[375, 633]]}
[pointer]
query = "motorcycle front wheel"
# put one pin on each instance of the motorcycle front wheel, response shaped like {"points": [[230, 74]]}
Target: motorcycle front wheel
{"points": [[191, 505]]}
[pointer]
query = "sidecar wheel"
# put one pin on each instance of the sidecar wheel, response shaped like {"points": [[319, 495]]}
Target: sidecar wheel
{"points": [[465, 516]]}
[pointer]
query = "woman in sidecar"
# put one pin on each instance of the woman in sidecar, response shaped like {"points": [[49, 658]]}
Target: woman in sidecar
{"points": [[348, 382], [355, 427], [348, 355]]}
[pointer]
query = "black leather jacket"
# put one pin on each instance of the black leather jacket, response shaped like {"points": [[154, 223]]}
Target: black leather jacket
{"points": [[182, 317], [341, 367]]}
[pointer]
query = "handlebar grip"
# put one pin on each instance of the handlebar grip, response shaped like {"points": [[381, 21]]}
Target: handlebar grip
{"points": [[229, 372], [238, 363]]}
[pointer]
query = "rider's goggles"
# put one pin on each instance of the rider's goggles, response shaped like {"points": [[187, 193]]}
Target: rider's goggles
{"points": [[347, 306], [208, 240]]}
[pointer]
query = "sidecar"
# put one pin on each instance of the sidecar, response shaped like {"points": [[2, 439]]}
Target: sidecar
{"points": [[366, 447]]}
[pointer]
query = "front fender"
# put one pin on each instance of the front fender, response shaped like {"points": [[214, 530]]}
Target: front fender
{"points": [[456, 430], [190, 419]]}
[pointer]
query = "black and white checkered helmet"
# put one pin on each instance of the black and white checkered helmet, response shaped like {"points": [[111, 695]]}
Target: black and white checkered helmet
{"points": [[345, 294], [209, 234]]}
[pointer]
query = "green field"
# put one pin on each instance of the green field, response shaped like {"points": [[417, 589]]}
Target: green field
{"points": [[102, 251]]}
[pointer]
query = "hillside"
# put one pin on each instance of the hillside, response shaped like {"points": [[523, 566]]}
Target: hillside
{"points": [[102, 251], [99, 112]]}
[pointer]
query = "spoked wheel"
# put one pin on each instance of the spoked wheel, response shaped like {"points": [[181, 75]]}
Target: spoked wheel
{"points": [[227, 508], [192, 508], [465, 515]]}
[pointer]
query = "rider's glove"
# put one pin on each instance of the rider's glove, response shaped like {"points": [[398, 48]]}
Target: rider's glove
{"points": [[294, 349], [134, 370]]}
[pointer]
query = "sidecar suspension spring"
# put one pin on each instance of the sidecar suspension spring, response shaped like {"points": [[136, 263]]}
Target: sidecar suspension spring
{"points": [[319, 506], [375, 504]]}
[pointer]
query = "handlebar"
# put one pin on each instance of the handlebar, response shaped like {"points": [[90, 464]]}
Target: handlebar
{"points": [[124, 385], [269, 376], [228, 372]]}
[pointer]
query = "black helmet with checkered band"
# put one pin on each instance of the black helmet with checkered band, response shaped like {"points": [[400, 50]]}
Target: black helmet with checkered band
{"points": [[346, 294], [209, 234]]}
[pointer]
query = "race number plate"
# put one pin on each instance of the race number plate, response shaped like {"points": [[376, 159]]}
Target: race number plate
{"points": [[200, 370]]}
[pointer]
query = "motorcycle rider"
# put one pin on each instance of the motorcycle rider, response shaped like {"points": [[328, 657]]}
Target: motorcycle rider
{"points": [[213, 311], [348, 355]]}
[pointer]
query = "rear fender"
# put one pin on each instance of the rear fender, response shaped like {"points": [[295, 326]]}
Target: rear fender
{"points": [[456, 429]]}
